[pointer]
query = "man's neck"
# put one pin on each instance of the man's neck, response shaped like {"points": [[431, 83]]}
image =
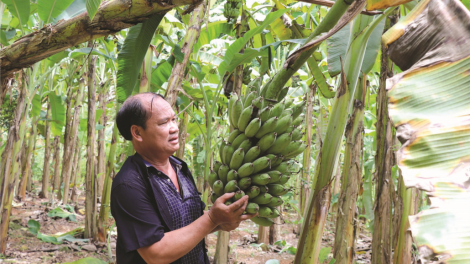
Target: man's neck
{"points": [[160, 163]]}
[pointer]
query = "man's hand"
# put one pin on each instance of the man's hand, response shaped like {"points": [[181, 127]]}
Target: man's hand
{"points": [[229, 217]]}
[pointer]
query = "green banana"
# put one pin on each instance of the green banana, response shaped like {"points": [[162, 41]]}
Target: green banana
{"points": [[253, 127], [245, 170], [212, 177], [214, 197], [246, 145], [299, 120], [261, 164], [298, 109], [218, 188], [233, 98], [221, 150], [263, 189], [253, 191], [273, 159], [275, 176], [229, 150], [282, 94], [237, 109], [296, 152], [232, 175], [231, 186], [264, 198], [264, 114], [262, 221], [258, 102], [267, 141], [282, 168], [277, 161], [233, 135], [227, 203], [260, 179], [237, 159], [293, 145], [216, 166], [275, 213], [284, 179], [265, 211], [239, 140], [281, 142], [277, 189], [252, 154], [222, 173], [245, 118], [276, 201], [268, 127], [238, 195], [283, 124], [276, 110], [250, 98], [244, 183], [297, 134], [252, 208], [285, 113], [288, 102]]}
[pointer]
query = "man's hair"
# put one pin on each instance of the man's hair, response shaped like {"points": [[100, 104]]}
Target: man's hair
{"points": [[133, 112]]}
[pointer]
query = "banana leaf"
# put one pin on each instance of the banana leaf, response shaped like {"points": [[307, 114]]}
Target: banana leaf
{"points": [[428, 104]]}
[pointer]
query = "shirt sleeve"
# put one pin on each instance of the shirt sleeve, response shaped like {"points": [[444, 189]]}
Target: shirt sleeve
{"points": [[138, 222]]}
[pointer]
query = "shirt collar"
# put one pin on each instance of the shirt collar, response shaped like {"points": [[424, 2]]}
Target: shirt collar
{"points": [[173, 161]]}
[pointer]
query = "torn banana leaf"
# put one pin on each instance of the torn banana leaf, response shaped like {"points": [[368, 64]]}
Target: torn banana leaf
{"points": [[429, 105]]}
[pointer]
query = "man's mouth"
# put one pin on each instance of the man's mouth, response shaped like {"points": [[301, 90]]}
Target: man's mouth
{"points": [[174, 139]]}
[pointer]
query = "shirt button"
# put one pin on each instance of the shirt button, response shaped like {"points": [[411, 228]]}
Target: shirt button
{"points": [[168, 180]]}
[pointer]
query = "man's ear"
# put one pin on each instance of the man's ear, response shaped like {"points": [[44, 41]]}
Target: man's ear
{"points": [[135, 131]]}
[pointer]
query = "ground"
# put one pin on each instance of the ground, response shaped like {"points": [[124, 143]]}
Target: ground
{"points": [[24, 247]]}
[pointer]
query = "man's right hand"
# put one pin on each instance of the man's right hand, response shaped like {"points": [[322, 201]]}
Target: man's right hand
{"points": [[229, 214]]}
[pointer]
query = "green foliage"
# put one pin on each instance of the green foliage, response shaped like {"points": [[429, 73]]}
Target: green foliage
{"points": [[132, 54], [59, 212], [50, 9], [87, 260], [19, 9], [92, 7], [7, 110], [34, 227]]}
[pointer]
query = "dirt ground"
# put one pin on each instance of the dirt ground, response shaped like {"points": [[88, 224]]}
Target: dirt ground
{"points": [[24, 247]]}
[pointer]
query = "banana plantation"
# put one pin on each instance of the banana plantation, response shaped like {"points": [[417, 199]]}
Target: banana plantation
{"points": [[347, 123]]}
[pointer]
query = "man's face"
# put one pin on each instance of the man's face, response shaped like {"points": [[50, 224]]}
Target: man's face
{"points": [[161, 133]]}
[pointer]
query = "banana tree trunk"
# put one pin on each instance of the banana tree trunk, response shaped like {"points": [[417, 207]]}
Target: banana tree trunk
{"points": [[90, 177], [10, 165], [101, 164], [68, 150], [305, 190], [111, 17], [27, 160], [56, 158], [47, 155], [315, 216], [403, 247], [382, 235], [346, 223], [76, 177], [182, 137], [179, 69], [106, 196]]}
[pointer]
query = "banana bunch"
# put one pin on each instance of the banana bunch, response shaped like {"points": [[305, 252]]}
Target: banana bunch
{"points": [[246, 75], [255, 157], [232, 10]]}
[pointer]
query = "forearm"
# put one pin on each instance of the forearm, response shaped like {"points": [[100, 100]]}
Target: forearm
{"points": [[177, 243]]}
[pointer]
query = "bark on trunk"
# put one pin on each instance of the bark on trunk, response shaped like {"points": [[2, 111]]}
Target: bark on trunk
{"points": [[346, 223], [382, 235], [10, 165], [263, 235], [274, 230], [27, 161], [111, 17], [47, 155], [182, 135], [90, 177], [76, 172], [56, 158], [69, 149], [221, 255], [101, 165], [179, 69]]}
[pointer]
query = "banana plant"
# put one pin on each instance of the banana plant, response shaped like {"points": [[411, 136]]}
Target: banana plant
{"points": [[428, 104]]}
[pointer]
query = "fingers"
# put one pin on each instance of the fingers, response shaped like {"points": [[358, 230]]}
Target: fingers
{"points": [[242, 202], [225, 197], [247, 216]]}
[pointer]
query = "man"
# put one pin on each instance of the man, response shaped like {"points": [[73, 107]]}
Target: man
{"points": [[159, 215]]}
